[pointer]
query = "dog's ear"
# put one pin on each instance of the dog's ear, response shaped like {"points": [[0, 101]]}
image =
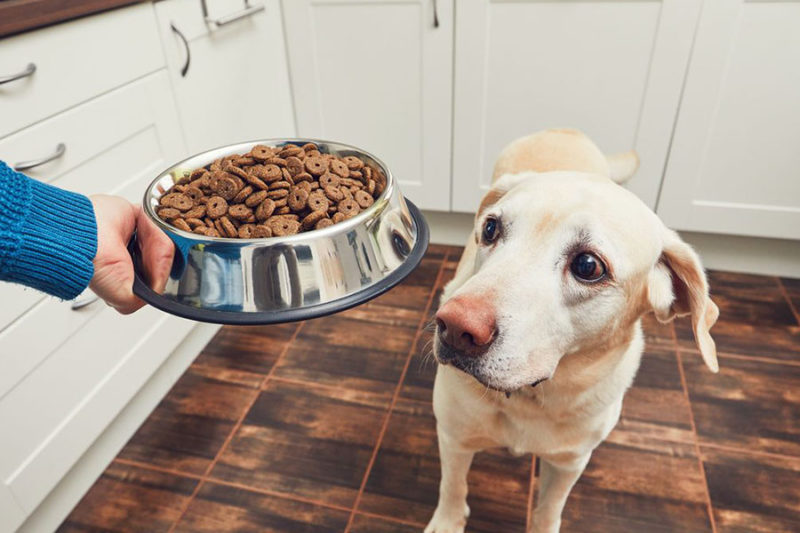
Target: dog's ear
{"points": [[499, 188], [678, 287]]}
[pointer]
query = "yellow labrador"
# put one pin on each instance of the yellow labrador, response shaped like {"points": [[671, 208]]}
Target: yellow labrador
{"points": [[545, 307]]}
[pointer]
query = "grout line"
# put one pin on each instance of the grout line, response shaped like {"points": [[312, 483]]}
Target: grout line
{"points": [[156, 468], [236, 427], [696, 445], [788, 300], [742, 451], [531, 490], [396, 395], [392, 519], [232, 484], [752, 358]]}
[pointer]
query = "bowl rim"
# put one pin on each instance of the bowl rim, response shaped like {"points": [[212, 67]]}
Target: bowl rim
{"points": [[371, 212]]}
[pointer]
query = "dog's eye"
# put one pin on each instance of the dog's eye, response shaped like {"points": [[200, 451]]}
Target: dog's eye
{"points": [[587, 267], [491, 230]]}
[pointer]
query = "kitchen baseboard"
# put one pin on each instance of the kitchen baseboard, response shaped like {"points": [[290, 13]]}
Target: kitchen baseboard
{"points": [[772, 257], [58, 504]]}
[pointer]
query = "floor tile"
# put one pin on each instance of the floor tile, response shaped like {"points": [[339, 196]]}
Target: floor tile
{"points": [[222, 508], [792, 286], [243, 354], [354, 355], [750, 404], [191, 423], [753, 494], [750, 299], [311, 442], [656, 405], [373, 524], [755, 318], [652, 487], [657, 333], [127, 498], [404, 480]]}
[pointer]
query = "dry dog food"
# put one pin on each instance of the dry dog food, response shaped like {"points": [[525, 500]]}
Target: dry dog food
{"points": [[271, 191]]}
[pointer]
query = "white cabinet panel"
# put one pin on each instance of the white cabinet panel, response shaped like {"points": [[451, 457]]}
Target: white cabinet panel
{"points": [[116, 144], [75, 61], [237, 85], [610, 68], [734, 165], [11, 514], [378, 74]]}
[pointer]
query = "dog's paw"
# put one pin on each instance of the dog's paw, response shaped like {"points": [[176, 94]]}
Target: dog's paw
{"points": [[448, 521]]}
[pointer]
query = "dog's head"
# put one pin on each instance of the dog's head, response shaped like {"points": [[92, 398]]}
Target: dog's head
{"points": [[562, 263]]}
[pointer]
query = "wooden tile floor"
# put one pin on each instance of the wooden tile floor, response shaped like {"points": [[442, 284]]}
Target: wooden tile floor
{"points": [[326, 426]]}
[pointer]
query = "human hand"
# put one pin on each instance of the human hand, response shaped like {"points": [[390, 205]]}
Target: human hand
{"points": [[113, 268]]}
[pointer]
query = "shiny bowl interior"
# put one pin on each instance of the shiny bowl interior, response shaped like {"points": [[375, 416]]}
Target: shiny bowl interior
{"points": [[280, 279]]}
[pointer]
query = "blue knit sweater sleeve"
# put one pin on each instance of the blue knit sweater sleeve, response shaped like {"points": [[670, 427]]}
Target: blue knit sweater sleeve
{"points": [[48, 236]]}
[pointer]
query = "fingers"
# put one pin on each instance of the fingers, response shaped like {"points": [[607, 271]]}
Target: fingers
{"points": [[113, 281], [157, 252]]}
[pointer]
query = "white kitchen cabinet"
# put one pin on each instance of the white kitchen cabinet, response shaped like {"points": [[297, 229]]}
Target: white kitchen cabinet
{"points": [[236, 87], [68, 372], [378, 74], [611, 68], [734, 166]]}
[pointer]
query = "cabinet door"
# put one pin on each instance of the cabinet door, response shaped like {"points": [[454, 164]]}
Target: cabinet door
{"points": [[734, 165], [236, 87], [611, 68], [378, 74], [11, 514]]}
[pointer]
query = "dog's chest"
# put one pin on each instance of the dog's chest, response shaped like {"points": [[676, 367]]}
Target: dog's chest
{"points": [[523, 425]]}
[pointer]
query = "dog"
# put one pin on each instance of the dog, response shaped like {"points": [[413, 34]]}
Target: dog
{"points": [[538, 335]]}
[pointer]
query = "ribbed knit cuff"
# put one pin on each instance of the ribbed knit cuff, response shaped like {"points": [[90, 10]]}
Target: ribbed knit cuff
{"points": [[50, 236]]}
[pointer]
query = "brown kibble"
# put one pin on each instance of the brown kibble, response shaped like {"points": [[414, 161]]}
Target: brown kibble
{"points": [[349, 208], [340, 168], [278, 193], [195, 222], [246, 231], [262, 232], [316, 166], [198, 211], [265, 210], [279, 185], [261, 153], [240, 212], [243, 194], [228, 229], [363, 199], [311, 220], [298, 199], [256, 198], [168, 213], [333, 193], [318, 201], [328, 180], [181, 224], [216, 207], [294, 165], [323, 223], [337, 217], [283, 226]]}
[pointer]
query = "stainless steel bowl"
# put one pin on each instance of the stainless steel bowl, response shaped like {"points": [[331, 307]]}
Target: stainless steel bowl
{"points": [[281, 279]]}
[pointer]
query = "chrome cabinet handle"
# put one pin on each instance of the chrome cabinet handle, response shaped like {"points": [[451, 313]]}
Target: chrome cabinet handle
{"points": [[227, 19], [29, 70], [435, 15], [185, 67], [80, 303], [33, 163]]}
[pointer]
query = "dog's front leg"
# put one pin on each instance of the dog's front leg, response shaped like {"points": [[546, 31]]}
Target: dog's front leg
{"points": [[556, 479], [452, 510]]}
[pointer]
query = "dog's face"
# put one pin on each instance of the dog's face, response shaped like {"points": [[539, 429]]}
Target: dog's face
{"points": [[561, 263]]}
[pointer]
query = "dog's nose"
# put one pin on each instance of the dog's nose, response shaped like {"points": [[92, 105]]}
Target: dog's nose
{"points": [[468, 324]]}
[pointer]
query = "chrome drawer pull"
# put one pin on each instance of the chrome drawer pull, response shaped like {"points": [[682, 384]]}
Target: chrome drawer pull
{"points": [[227, 19], [29, 70], [33, 163], [80, 303]]}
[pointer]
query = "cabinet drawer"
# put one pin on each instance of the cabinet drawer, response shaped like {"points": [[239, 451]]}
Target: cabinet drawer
{"points": [[115, 144], [76, 61], [52, 416]]}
